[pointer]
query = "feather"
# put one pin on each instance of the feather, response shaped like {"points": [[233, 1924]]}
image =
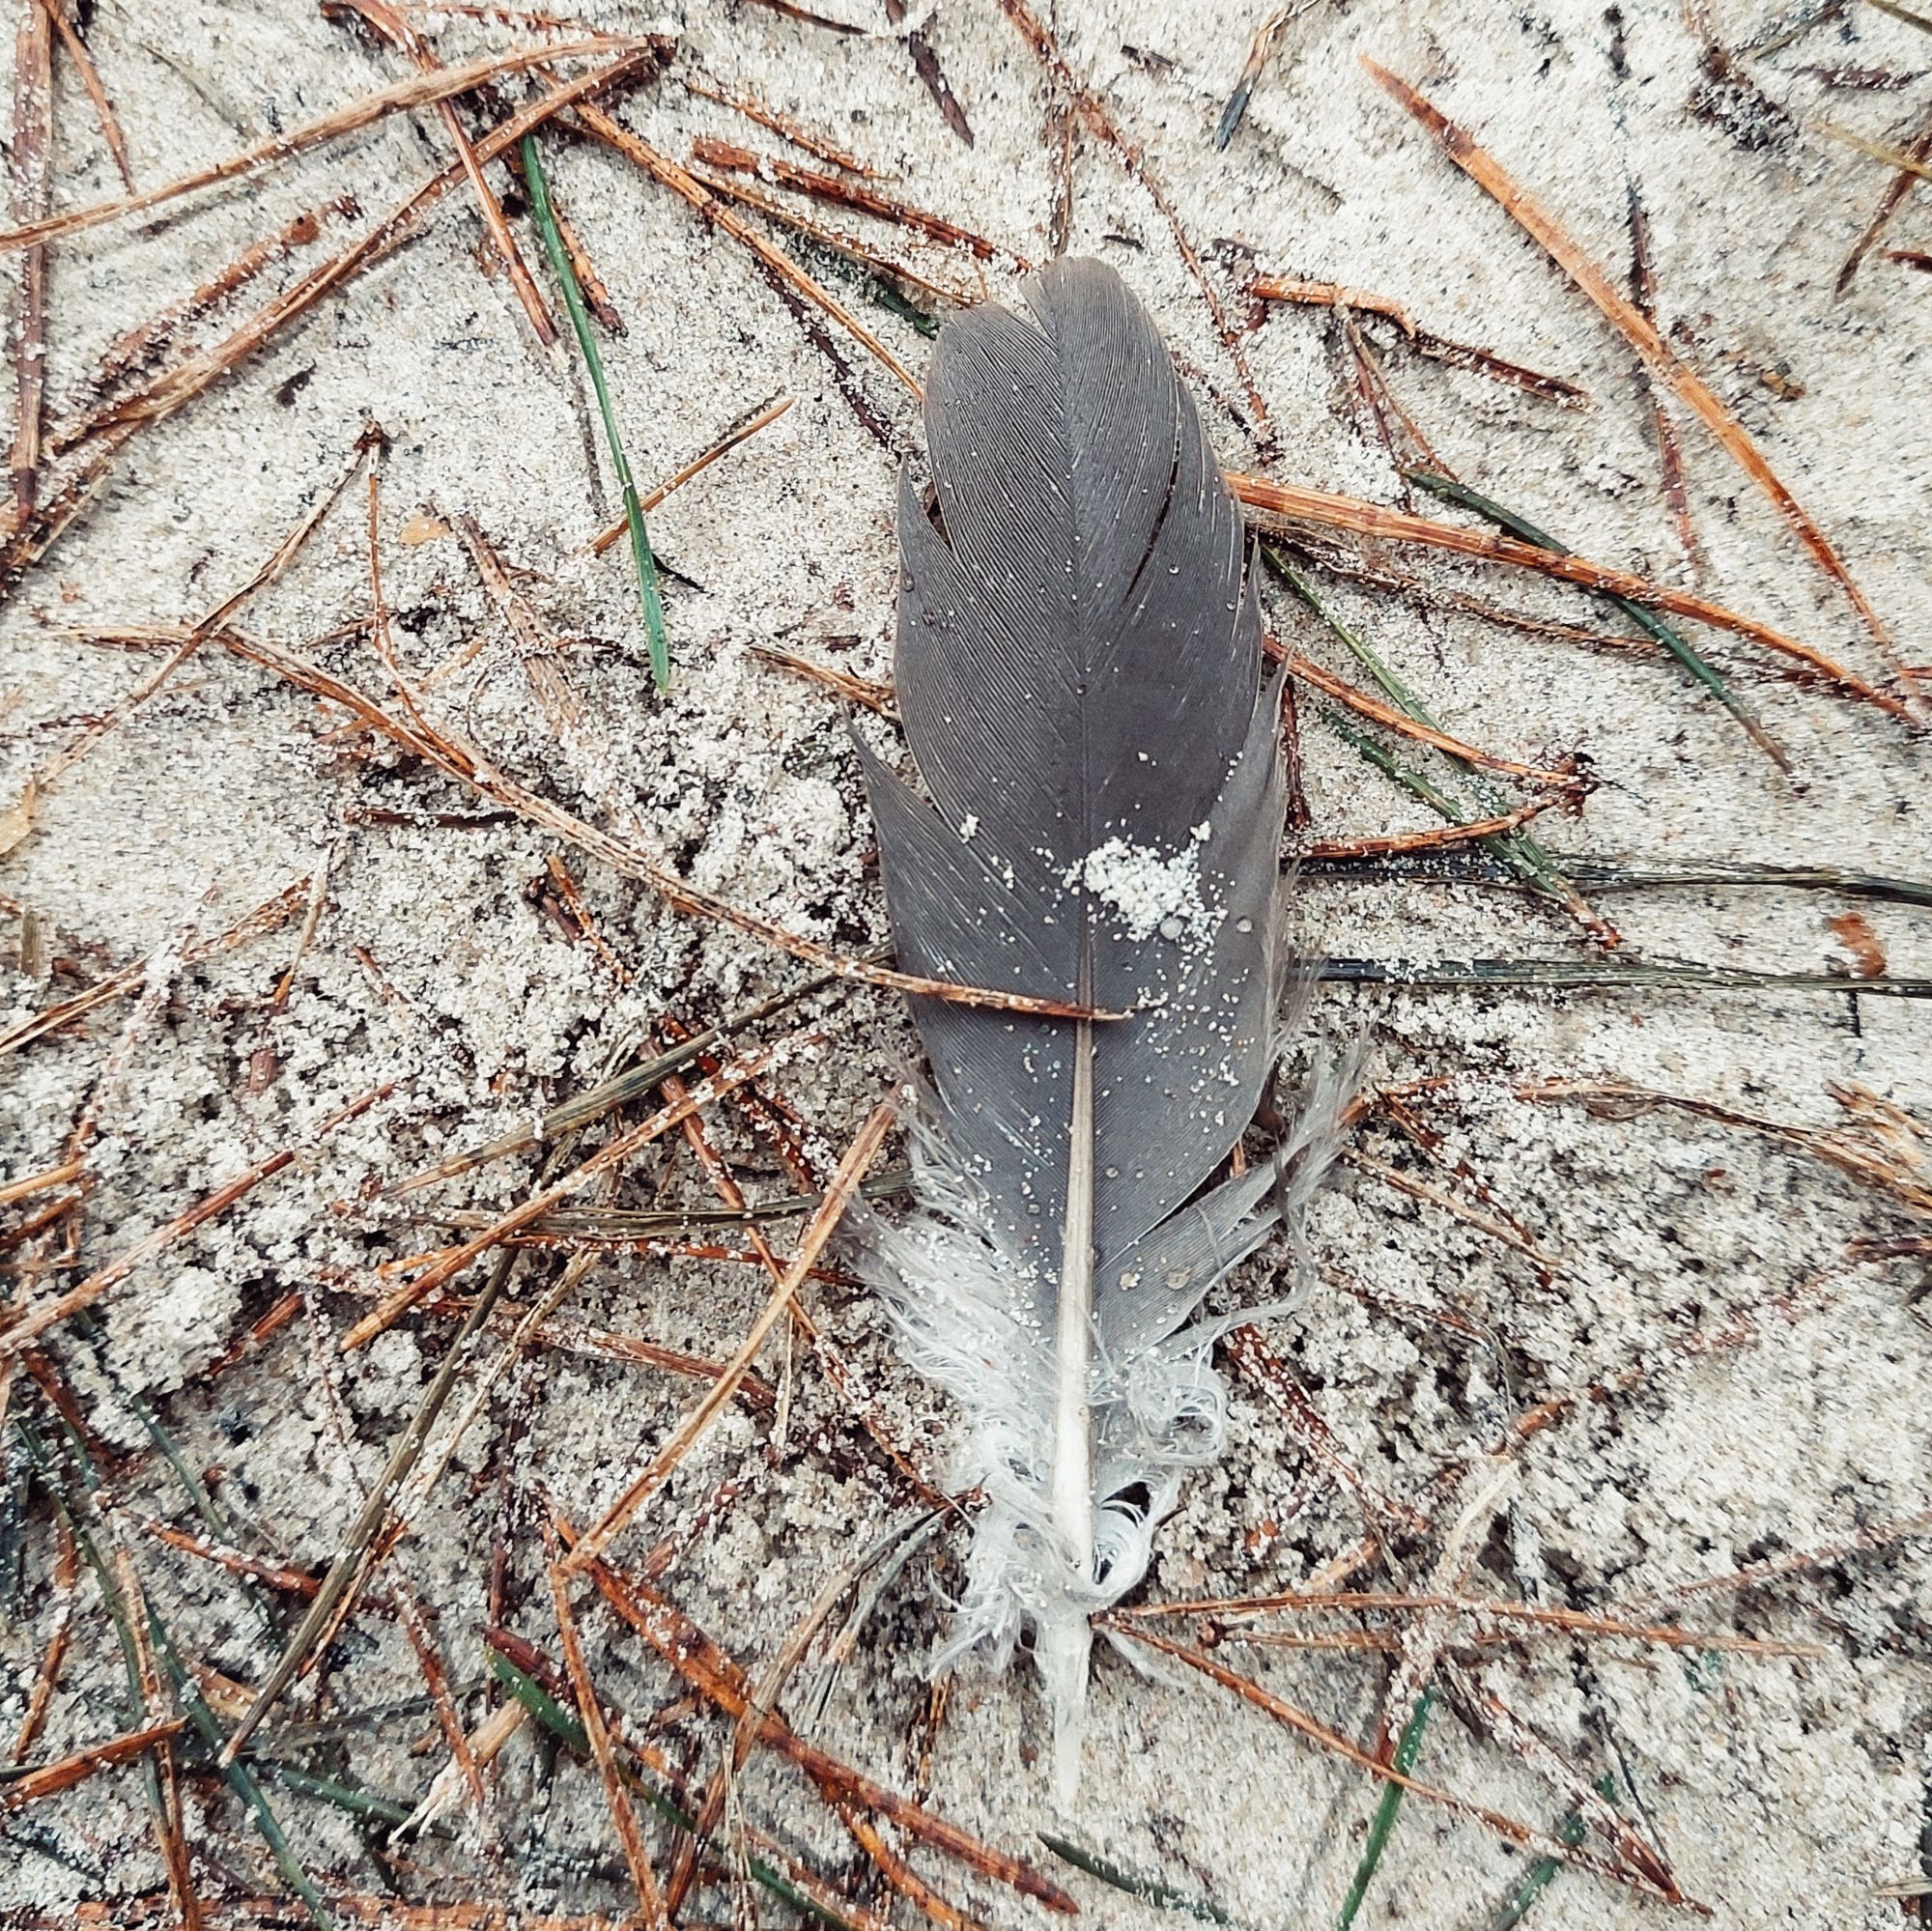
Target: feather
{"points": [[1078, 665]]}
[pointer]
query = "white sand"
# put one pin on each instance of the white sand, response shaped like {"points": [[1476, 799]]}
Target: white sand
{"points": [[1782, 1791]]}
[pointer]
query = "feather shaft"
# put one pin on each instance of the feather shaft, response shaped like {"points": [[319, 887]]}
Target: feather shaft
{"points": [[1072, 1413]]}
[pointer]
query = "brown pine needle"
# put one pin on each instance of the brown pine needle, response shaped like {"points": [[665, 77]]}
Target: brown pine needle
{"points": [[681, 181], [612, 1154], [845, 1184], [285, 553], [1480, 1610], [35, 1319], [1896, 191], [834, 241], [1643, 336], [111, 430], [1094, 112], [44, 1181], [399, 34], [463, 762], [46, 1680], [741, 432], [1296, 503], [780, 125], [420, 90], [1437, 1196], [876, 694], [1425, 341], [17, 1793], [1297, 1719], [570, 1336], [723, 1682], [145, 340], [630, 1835], [32, 184], [266, 918], [734, 159], [1391, 844], [97, 93], [1332, 295], [1857, 1156], [400, 225], [1391, 718]]}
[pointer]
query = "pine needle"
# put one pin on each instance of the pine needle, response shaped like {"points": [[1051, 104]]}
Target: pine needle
{"points": [[1647, 621]]}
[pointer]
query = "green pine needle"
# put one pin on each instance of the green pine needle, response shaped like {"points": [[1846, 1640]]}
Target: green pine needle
{"points": [[1147, 1889], [1518, 850], [564, 1725], [1569, 1834]]}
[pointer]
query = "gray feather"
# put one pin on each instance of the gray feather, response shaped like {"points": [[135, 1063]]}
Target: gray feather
{"points": [[1079, 670]]}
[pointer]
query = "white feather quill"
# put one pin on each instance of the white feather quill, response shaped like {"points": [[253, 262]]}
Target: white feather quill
{"points": [[1079, 669]]}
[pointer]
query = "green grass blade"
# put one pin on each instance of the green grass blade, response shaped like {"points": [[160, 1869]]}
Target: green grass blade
{"points": [[1408, 1746], [593, 361], [77, 1508], [1648, 621], [240, 1779]]}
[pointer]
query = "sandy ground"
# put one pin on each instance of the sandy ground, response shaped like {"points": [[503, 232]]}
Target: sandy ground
{"points": [[1771, 1400]]}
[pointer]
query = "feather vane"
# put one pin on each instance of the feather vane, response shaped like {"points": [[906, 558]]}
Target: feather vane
{"points": [[1078, 664]]}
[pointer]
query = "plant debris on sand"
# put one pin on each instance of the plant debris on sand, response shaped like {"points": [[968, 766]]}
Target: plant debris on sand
{"points": [[449, 1475]]}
